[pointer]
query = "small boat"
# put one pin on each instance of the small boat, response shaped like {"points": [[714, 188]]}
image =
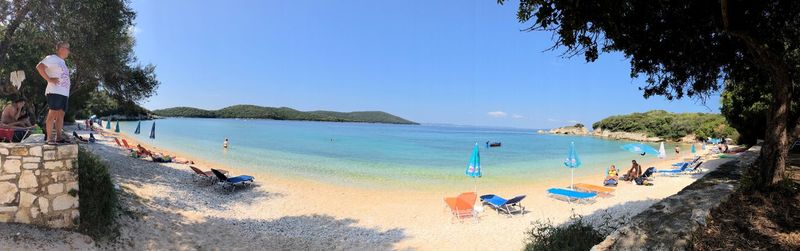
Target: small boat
{"points": [[495, 144]]}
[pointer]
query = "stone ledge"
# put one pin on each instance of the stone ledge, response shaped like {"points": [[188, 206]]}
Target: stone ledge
{"points": [[669, 224], [35, 184]]}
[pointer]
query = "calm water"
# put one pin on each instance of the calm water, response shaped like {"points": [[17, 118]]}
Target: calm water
{"points": [[378, 155]]}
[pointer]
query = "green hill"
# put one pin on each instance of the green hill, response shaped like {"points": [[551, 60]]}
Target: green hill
{"points": [[669, 125], [283, 113]]}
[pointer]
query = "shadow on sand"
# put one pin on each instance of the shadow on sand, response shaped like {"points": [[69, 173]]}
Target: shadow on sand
{"points": [[158, 223]]}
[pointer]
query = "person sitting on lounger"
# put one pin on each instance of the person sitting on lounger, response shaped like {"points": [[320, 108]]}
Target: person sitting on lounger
{"points": [[634, 172], [612, 176], [13, 114]]}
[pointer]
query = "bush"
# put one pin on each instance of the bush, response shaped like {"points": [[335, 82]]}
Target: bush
{"points": [[576, 234], [98, 199], [668, 125]]}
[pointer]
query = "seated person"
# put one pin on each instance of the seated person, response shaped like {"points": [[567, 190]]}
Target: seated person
{"points": [[161, 158], [13, 114], [634, 172], [612, 176], [92, 139], [143, 152]]}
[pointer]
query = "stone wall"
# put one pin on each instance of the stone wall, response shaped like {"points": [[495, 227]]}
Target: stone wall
{"points": [[39, 184]]}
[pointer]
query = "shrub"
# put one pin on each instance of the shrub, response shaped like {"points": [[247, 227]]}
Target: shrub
{"points": [[98, 199], [576, 234]]}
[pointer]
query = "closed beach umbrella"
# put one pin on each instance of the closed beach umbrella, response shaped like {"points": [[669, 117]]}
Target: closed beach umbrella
{"points": [[153, 131], [693, 150], [572, 161], [474, 165], [116, 128], [108, 124], [641, 149], [138, 128], [661, 152]]}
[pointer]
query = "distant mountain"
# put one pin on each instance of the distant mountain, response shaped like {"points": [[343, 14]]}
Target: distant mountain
{"points": [[283, 113]]}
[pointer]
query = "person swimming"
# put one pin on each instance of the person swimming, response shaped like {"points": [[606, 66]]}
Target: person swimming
{"points": [[225, 143]]}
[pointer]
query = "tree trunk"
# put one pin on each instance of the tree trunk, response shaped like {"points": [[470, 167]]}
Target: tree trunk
{"points": [[776, 141]]}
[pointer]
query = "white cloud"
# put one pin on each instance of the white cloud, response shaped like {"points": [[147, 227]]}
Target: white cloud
{"points": [[553, 120], [573, 121], [517, 116], [497, 114]]}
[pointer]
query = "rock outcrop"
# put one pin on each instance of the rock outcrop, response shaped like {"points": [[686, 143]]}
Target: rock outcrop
{"points": [[635, 136], [571, 130]]}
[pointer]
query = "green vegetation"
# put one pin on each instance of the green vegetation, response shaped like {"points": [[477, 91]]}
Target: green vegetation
{"points": [[282, 113], [690, 48], [576, 234], [102, 58], [668, 125], [746, 107], [98, 199]]}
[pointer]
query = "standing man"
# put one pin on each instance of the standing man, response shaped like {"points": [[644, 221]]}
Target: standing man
{"points": [[54, 70]]}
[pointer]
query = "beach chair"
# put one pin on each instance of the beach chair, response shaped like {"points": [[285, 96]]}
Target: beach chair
{"points": [[509, 207], [125, 143], [233, 182], [600, 190], [462, 206], [673, 172], [571, 195], [199, 174], [689, 162], [118, 144]]}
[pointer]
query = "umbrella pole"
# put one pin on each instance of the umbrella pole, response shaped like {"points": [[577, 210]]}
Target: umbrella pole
{"points": [[572, 178]]}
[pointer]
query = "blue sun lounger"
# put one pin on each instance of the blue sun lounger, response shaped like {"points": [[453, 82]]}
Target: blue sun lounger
{"points": [[233, 181], [571, 195], [508, 206], [685, 169], [690, 162]]}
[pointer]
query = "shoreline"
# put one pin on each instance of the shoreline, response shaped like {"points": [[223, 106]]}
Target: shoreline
{"points": [[419, 215]]}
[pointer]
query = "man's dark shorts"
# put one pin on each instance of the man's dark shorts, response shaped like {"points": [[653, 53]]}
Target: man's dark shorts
{"points": [[57, 102]]}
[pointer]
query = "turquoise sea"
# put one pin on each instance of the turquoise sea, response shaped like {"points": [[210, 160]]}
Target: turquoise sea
{"points": [[381, 155]]}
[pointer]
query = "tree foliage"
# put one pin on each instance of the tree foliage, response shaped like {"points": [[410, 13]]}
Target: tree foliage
{"points": [[687, 48], [102, 56], [283, 113], [673, 126]]}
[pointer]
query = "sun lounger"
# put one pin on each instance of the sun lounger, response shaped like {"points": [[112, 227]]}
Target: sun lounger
{"points": [[462, 207], [571, 195], [205, 175], [500, 204], [685, 169], [689, 162], [125, 143], [118, 144], [594, 188], [242, 180]]}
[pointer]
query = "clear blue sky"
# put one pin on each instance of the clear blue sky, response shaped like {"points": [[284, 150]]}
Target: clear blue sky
{"points": [[458, 62]]}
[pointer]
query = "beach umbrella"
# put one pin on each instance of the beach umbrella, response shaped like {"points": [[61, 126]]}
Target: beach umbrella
{"points": [[641, 149], [693, 149], [116, 128], [108, 124], [153, 131], [661, 152], [474, 166], [572, 161], [138, 128]]}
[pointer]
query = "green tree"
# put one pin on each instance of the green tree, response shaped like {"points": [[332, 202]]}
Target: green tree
{"points": [[686, 48], [101, 44]]}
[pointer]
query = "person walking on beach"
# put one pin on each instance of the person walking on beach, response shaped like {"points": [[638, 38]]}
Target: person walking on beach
{"points": [[225, 143], [54, 70], [677, 150]]}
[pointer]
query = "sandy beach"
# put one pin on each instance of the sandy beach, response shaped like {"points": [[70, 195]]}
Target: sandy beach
{"points": [[166, 209]]}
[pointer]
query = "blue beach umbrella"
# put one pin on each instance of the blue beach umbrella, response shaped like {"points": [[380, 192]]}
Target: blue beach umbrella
{"points": [[641, 149], [153, 131], [108, 124], [116, 128], [693, 149], [572, 161], [138, 128], [474, 165]]}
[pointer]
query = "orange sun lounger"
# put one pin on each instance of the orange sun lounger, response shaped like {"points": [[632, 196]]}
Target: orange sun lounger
{"points": [[461, 207], [594, 188]]}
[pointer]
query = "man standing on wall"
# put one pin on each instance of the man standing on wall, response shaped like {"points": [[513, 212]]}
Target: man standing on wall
{"points": [[54, 70]]}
